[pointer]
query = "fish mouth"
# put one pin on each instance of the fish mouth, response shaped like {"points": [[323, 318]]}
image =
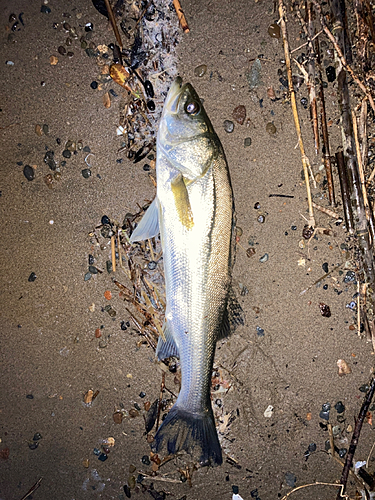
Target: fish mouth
{"points": [[174, 94]]}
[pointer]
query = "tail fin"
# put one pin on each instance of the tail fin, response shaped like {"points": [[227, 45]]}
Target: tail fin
{"points": [[192, 432]]}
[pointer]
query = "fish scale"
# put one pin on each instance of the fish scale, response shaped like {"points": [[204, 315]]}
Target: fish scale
{"points": [[194, 212]]}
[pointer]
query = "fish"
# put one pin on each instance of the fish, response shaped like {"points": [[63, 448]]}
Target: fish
{"points": [[194, 213]]}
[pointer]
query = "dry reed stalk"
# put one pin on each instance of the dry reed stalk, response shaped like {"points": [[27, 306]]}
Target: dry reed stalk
{"points": [[113, 23], [181, 16], [304, 158]]}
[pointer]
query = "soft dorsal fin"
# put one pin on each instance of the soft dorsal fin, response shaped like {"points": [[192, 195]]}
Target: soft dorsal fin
{"points": [[149, 224]]}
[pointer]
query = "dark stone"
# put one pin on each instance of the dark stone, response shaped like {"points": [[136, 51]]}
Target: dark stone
{"points": [[32, 277], [94, 85], [29, 173]]}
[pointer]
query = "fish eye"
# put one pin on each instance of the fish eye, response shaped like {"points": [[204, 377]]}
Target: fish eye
{"points": [[192, 108]]}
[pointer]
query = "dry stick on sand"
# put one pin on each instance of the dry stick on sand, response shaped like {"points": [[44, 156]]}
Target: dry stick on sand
{"points": [[345, 196], [323, 122], [181, 16], [113, 23], [305, 161], [113, 252], [355, 438], [310, 80], [366, 202], [342, 58]]}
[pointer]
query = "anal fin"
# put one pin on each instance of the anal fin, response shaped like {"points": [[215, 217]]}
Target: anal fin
{"points": [[166, 348]]}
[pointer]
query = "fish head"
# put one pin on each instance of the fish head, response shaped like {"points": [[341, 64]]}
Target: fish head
{"points": [[186, 135]]}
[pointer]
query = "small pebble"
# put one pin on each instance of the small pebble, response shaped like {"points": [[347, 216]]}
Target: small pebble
{"points": [[133, 413], [304, 102], [91, 259], [45, 10], [256, 206], [270, 128], [66, 153], [247, 142], [109, 266], [250, 252], [151, 105], [264, 258], [70, 54], [290, 479], [61, 50], [324, 415], [142, 394], [235, 489], [29, 173], [331, 73], [34, 445], [105, 220], [127, 491], [29, 396], [274, 30], [261, 219], [89, 27], [93, 270], [200, 70], [32, 277], [87, 276], [260, 331], [293, 228], [239, 114], [86, 172], [146, 167], [152, 265], [312, 447], [149, 89], [326, 406], [94, 85], [228, 126], [45, 129], [325, 267], [145, 460], [50, 160], [340, 407], [37, 436], [38, 130], [342, 452], [102, 457]]}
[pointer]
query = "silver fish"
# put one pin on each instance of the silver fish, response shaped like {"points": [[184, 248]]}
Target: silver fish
{"points": [[194, 212]]}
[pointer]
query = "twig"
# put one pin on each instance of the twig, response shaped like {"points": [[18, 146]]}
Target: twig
{"points": [[309, 30], [348, 214], [369, 455], [326, 211], [319, 280], [341, 492], [113, 252], [113, 23], [181, 16], [342, 58], [355, 437], [295, 111], [304, 44], [162, 386], [32, 489], [366, 202], [323, 124]]}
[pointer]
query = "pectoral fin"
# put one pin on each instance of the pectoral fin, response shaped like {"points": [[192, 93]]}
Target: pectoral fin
{"points": [[182, 202], [149, 224]]}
